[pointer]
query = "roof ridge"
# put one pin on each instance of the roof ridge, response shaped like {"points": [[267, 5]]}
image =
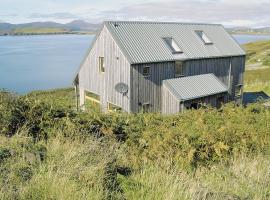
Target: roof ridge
{"points": [[161, 22]]}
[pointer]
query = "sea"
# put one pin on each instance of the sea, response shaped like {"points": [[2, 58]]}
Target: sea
{"points": [[43, 62]]}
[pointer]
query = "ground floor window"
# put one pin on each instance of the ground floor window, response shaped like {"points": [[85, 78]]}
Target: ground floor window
{"points": [[92, 96], [113, 107], [92, 101]]}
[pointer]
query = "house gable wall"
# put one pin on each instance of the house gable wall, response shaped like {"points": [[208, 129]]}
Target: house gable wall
{"points": [[117, 69]]}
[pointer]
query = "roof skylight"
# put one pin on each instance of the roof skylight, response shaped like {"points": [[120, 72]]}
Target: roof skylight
{"points": [[172, 45], [204, 37]]}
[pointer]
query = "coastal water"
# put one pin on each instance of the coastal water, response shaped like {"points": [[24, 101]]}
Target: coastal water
{"points": [[50, 61], [243, 39], [40, 62]]}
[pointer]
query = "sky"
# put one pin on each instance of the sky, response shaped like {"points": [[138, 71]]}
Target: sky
{"points": [[230, 13]]}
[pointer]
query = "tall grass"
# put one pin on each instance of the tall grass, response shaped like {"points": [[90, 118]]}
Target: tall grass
{"points": [[258, 80], [243, 178], [50, 151]]}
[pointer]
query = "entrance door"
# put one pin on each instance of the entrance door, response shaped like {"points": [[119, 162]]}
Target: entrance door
{"points": [[220, 101]]}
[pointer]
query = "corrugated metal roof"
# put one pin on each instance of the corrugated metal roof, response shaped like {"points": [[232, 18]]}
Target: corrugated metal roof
{"points": [[193, 87], [143, 41]]}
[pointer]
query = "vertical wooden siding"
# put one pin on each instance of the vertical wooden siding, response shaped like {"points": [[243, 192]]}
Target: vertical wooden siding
{"points": [[117, 69], [209, 100], [148, 89], [221, 68], [170, 105]]}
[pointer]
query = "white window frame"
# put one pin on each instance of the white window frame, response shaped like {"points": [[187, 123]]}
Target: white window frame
{"points": [[202, 35], [172, 45], [96, 100], [109, 104]]}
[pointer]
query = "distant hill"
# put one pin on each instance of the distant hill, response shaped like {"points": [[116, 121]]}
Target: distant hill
{"points": [[247, 30], [77, 26], [258, 54], [80, 26]]}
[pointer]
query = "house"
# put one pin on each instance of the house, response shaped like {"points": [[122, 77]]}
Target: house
{"points": [[161, 67]]}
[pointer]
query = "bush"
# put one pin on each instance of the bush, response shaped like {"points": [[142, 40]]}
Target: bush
{"points": [[50, 151]]}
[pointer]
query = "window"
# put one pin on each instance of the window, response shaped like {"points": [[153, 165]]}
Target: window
{"points": [[92, 96], [204, 37], [238, 90], [112, 107], [173, 45], [178, 69], [101, 64], [146, 71]]}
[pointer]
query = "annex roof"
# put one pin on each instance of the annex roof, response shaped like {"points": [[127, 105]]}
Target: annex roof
{"points": [[193, 87], [144, 42]]}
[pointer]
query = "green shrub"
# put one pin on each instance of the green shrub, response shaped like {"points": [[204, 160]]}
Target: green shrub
{"points": [[4, 154], [50, 151]]}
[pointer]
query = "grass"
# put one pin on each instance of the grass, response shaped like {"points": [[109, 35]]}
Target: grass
{"points": [[49, 151], [258, 54], [257, 75], [244, 178], [258, 80], [25, 31]]}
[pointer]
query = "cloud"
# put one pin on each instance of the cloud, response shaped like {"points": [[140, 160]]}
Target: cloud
{"points": [[227, 12], [60, 15], [253, 13], [8, 15]]}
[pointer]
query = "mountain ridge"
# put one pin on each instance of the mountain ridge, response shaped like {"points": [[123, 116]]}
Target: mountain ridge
{"points": [[76, 26], [81, 26]]}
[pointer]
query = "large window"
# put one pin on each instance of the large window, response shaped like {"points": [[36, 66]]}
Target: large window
{"points": [[92, 96], [179, 69], [204, 37], [173, 45], [101, 64]]}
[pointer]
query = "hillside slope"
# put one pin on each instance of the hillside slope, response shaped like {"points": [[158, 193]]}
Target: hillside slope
{"points": [[48, 28], [50, 151], [258, 54], [257, 75]]}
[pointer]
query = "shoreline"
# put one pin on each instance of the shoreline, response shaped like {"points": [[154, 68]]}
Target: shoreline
{"points": [[243, 33], [38, 34], [93, 33]]}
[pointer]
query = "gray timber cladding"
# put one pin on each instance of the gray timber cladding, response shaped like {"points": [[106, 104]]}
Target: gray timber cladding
{"points": [[148, 89], [142, 41], [194, 87], [229, 70], [172, 105], [117, 69], [128, 47]]}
